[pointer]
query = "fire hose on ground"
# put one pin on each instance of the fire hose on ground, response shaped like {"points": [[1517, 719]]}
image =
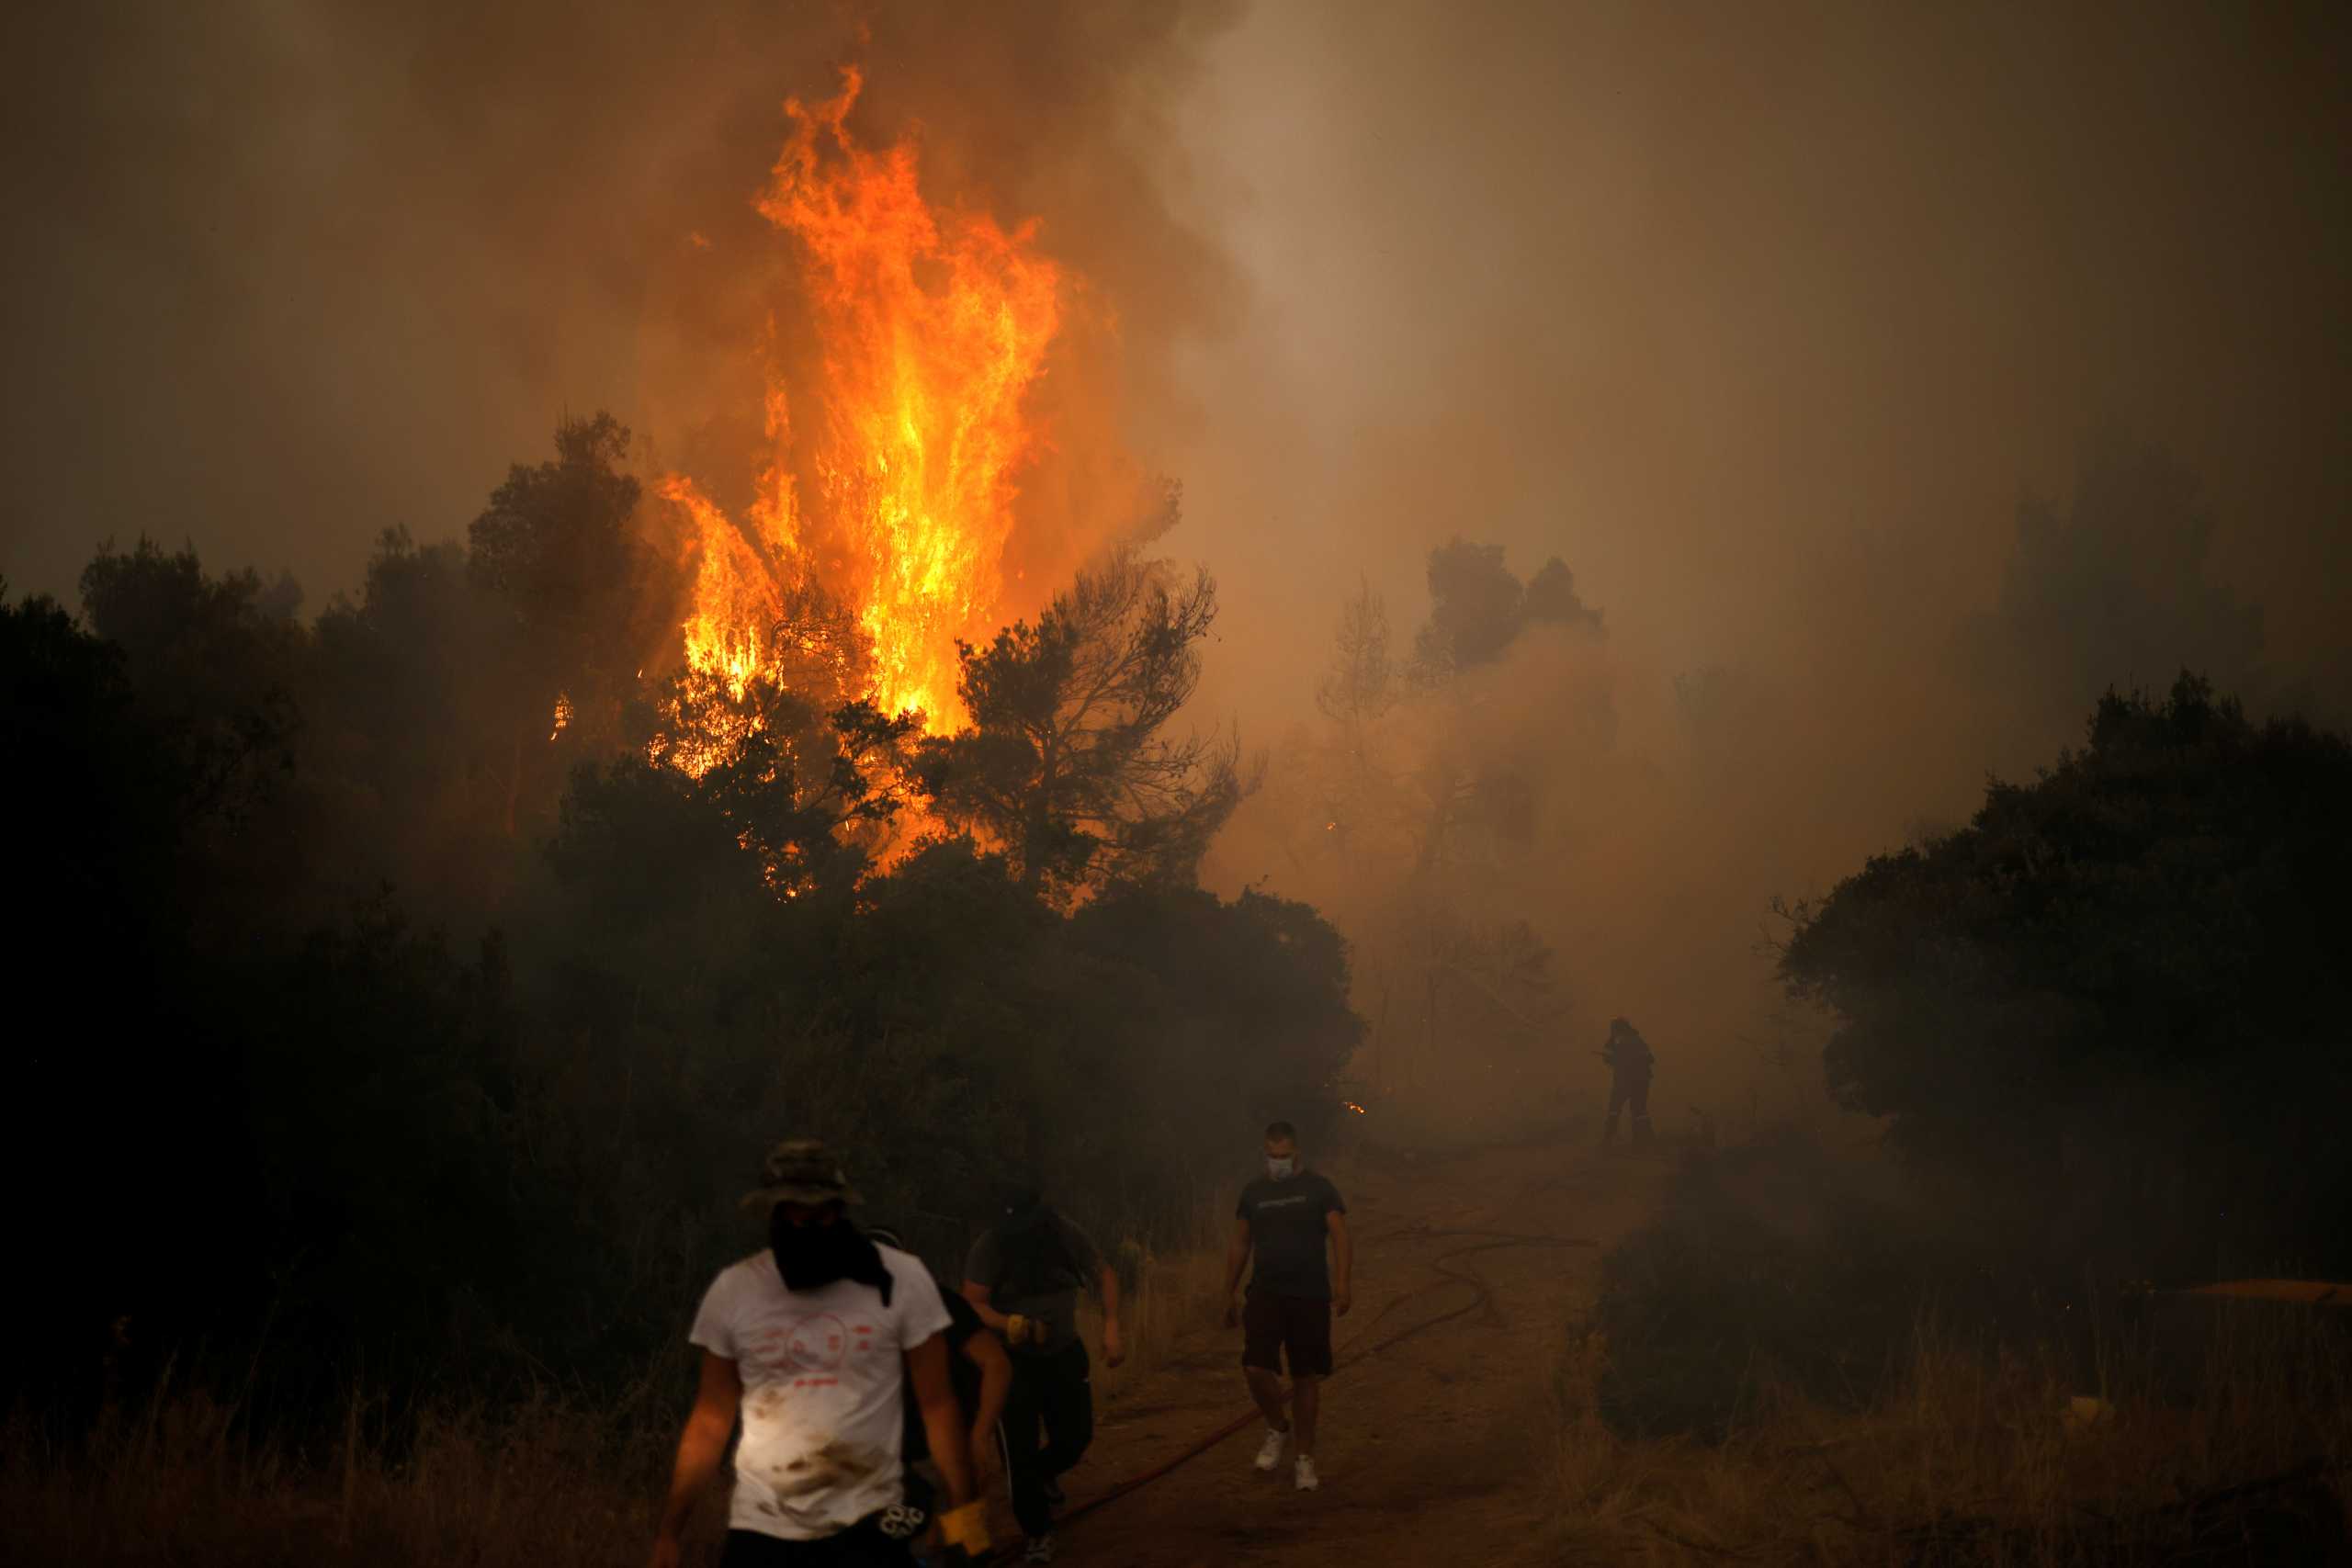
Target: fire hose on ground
{"points": [[1492, 1241]]}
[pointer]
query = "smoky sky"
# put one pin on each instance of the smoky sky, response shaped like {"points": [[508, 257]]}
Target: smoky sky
{"points": [[285, 275], [1767, 319]]}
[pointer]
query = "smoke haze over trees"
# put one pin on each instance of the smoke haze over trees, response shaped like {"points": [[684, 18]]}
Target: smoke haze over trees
{"points": [[421, 1030], [1628, 287], [1653, 459], [2111, 1005]]}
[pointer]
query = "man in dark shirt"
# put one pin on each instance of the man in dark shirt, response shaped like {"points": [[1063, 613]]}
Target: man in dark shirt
{"points": [[1285, 1218], [1024, 1277]]}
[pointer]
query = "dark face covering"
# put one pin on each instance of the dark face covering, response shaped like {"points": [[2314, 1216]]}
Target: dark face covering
{"points": [[811, 1256]]}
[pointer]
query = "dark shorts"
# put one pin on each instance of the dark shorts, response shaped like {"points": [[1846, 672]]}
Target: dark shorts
{"points": [[863, 1545], [1298, 1326]]}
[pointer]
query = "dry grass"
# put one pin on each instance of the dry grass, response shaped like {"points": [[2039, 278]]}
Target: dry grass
{"points": [[1972, 1459], [1176, 1288], [182, 1480]]}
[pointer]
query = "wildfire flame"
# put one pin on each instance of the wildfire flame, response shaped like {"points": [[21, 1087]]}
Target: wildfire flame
{"points": [[930, 328]]}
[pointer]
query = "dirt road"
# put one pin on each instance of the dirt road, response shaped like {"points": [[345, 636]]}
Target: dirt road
{"points": [[1434, 1448]]}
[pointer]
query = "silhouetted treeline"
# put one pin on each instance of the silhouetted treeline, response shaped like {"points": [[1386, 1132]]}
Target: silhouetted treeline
{"points": [[377, 1015], [2113, 1010], [2107, 1025]]}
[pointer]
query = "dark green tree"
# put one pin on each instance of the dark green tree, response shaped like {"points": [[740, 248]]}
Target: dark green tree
{"points": [[2117, 997], [2114, 590], [215, 668], [1551, 600], [1478, 607], [1475, 605], [1066, 763], [100, 804], [592, 600]]}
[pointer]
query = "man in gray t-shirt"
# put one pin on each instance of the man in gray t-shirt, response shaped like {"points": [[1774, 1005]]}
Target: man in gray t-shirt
{"points": [[1023, 1276]]}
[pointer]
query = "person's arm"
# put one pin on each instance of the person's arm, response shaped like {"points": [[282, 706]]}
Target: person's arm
{"points": [[942, 1418], [1114, 1350], [1343, 1258], [964, 1521], [987, 1352], [1237, 1258], [699, 1448], [977, 1294]]}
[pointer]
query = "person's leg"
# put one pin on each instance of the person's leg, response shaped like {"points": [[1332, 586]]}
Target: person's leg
{"points": [[1266, 1388], [1641, 1109], [750, 1549], [1068, 1409], [863, 1545], [1305, 1396], [1306, 1344], [1261, 1339], [1616, 1104], [1017, 1434], [919, 1493]]}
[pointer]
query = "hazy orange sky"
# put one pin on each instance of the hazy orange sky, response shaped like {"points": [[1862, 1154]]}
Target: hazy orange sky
{"points": [[1763, 318]]}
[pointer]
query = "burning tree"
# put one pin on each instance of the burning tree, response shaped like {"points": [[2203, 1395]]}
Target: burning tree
{"points": [[895, 436], [1065, 765]]}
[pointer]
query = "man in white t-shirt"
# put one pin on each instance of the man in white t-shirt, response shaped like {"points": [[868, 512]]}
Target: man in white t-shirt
{"points": [[813, 1342]]}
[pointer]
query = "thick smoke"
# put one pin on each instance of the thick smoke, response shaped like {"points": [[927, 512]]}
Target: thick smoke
{"points": [[286, 276], [1801, 334], [1816, 340]]}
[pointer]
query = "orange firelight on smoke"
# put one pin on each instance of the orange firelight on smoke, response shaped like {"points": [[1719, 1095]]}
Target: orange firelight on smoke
{"points": [[931, 327]]}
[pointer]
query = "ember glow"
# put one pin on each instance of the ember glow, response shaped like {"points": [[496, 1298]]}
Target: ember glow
{"points": [[931, 326]]}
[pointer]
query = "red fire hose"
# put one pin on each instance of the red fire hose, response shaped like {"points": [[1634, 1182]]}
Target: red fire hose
{"points": [[1496, 1240]]}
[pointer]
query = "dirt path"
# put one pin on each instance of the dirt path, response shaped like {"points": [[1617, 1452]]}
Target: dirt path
{"points": [[1433, 1449]]}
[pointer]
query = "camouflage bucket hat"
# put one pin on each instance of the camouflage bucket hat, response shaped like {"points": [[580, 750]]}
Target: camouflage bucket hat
{"points": [[801, 1170]]}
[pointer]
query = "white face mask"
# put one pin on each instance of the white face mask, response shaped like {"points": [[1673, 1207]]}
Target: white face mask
{"points": [[1283, 1168]]}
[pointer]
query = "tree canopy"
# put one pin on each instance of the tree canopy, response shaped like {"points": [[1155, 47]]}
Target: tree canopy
{"points": [[397, 1025], [1478, 606], [1068, 763], [2123, 976]]}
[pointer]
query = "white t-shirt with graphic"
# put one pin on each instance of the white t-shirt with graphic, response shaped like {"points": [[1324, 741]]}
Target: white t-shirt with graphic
{"points": [[823, 1383]]}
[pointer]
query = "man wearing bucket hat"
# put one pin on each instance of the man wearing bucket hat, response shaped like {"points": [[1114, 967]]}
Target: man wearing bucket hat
{"points": [[811, 1343]]}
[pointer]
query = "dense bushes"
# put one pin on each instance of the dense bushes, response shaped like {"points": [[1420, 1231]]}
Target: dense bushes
{"points": [[2105, 1024], [2115, 1005], [1770, 1264], [373, 1025]]}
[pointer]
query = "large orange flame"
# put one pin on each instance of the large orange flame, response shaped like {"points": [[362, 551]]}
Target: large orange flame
{"points": [[931, 327]]}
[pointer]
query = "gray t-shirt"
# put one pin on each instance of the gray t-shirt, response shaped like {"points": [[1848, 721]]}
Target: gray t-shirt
{"points": [[1036, 1271]]}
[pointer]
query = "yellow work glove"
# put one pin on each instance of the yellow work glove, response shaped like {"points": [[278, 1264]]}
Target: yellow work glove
{"points": [[966, 1527]]}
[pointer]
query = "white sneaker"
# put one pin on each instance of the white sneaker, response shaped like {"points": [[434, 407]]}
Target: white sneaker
{"points": [[1040, 1550], [1305, 1474], [1270, 1452]]}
